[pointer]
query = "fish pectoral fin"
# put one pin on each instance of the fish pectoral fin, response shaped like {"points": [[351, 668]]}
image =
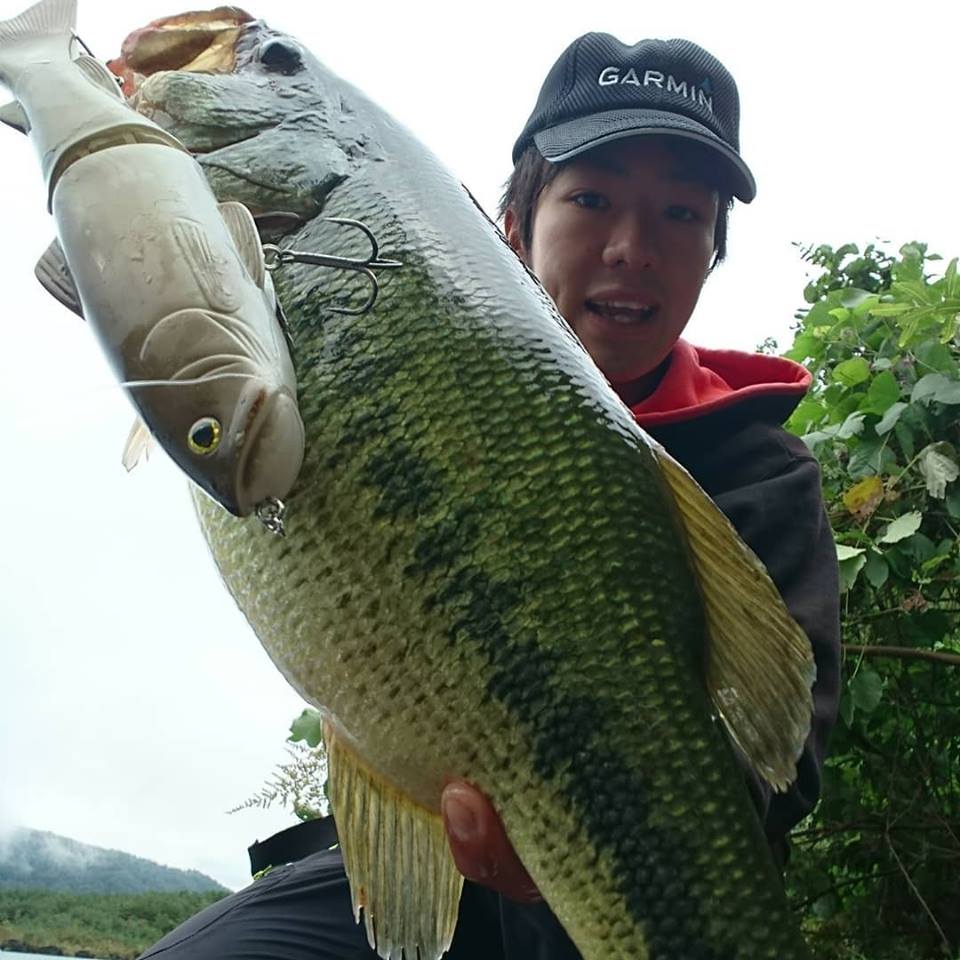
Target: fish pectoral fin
{"points": [[99, 75], [55, 276], [13, 115], [243, 229], [759, 664], [139, 444], [398, 861]]}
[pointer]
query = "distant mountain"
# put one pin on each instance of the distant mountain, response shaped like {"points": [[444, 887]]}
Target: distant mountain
{"points": [[35, 859]]}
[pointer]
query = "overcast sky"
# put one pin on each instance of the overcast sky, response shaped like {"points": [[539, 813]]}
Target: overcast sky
{"points": [[136, 706]]}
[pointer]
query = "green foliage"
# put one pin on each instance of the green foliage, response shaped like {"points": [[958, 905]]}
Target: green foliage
{"points": [[100, 925], [308, 727], [300, 784], [878, 866]]}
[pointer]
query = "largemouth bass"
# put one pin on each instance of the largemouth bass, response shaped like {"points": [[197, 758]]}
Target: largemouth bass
{"points": [[174, 286], [490, 572]]}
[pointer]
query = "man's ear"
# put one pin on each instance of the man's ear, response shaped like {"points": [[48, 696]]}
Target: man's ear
{"points": [[511, 229]]}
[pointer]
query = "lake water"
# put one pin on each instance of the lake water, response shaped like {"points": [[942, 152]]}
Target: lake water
{"points": [[7, 955]]}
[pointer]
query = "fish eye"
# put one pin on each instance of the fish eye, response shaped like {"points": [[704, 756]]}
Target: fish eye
{"points": [[204, 436], [281, 56]]}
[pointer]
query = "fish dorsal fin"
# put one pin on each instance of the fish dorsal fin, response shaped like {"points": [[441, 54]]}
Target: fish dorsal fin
{"points": [[52, 271], [243, 229], [397, 859], [13, 115], [138, 446], [98, 74], [760, 666]]}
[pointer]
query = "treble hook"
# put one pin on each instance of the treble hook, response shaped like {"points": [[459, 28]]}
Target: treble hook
{"points": [[270, 513], [276, 257]]}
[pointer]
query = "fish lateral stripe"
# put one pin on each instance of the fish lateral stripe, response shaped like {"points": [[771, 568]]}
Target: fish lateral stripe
{"points": [[645, 860], [483, 611]]}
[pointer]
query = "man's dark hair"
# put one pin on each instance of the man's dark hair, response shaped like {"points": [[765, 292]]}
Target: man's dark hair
{"points": [[532, 174]]}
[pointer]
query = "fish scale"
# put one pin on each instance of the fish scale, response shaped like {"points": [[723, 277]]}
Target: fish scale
{"points": [[485, 576], [559, 681]]}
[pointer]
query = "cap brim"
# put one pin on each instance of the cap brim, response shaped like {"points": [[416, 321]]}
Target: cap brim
{"points": [[574, 137]]}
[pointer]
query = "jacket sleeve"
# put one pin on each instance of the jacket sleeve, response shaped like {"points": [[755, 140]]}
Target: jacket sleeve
{"points": [[783, 519]]}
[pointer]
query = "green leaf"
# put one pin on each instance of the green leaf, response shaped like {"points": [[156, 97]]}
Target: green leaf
{"points": [[926, 628], [805, 345], [853, 298], [845, 552], [953, 503], [921, 547], [807, 412], [866, 689], [847, 709], [851, 372], [849, 570], [904, 434], [938, 468], [877, 570], [870, 457], [812, 439], [949, 329], [952, 279], [911, 266], [899, 564], [817, 318], [884, 391], [889, 418], [915, 290], [950, 393], [851, 427], [308, 726], [891, 309], [935, 386], [927, 386], [901, 528], [929, 566], [936, 357]]}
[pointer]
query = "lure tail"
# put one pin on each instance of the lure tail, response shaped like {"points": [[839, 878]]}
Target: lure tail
{"points": [[41, 33]]}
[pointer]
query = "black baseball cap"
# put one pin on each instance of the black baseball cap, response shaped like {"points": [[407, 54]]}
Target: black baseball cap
{"points": [[601, 90]]}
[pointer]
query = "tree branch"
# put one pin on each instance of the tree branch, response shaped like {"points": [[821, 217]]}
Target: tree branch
{"points": [[865, 878], [897, 610], [903, 653], [943, 937]]}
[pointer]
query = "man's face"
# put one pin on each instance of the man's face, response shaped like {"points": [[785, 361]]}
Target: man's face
{"points": [[622, 240]]}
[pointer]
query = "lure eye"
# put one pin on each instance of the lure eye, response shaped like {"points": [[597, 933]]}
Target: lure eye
{"points": [[204, 436]]}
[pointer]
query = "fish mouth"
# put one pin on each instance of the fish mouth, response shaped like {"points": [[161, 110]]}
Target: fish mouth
{"points": [[270, 443], [204, 41]]}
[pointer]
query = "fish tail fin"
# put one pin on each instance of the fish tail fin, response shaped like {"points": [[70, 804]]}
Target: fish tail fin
{"points": [[41, 32]]}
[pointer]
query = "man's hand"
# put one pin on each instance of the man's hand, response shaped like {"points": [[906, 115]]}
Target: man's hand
{"points": [[480, 846]]}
